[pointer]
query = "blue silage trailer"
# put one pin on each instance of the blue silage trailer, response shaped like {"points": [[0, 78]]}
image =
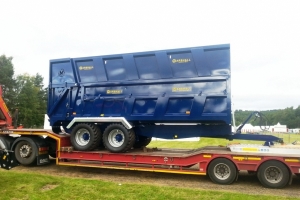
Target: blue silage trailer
{"points": [[123, 100]]}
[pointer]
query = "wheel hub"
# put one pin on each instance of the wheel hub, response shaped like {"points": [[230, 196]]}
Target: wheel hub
{"points": [[119, 137], [273, 174], [82, 137], [222, 171], [116, 138], [86, 136], [25, 151]]}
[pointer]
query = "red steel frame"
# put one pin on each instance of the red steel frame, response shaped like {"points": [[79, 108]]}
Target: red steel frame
{"points": [[176, 162], [7, 121], [158, 160]]}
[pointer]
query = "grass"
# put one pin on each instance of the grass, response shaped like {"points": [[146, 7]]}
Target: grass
{"points": [[18, 185], [287, 138]]}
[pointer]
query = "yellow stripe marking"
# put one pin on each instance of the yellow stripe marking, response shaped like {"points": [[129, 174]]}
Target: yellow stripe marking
{"points": [[249, 149], [135, 169], [245, 158], [254, 158], [292, 160]]}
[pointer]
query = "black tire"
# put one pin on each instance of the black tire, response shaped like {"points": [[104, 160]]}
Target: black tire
{"points": [[142, 142], [222, 171], [101, 145], [273, 174], [132, 140], [85, 136], [102, 128], [56, 129], [25, 153], [116, 138]]}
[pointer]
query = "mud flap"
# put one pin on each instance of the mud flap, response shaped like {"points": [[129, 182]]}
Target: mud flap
{"points": [[43, 159]]}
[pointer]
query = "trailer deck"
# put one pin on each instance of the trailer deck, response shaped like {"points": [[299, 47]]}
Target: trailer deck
{"points": [[220, 163]]}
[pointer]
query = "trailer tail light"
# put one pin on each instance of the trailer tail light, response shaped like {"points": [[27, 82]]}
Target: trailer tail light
{"points": [[43, 150]]}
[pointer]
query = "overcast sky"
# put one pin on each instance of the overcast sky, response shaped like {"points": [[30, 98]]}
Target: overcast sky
{"points": [[264, 38]]}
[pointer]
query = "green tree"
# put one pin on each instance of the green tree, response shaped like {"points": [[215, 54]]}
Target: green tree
{"points": [[31, 98], [42, 96], [7, 80]]}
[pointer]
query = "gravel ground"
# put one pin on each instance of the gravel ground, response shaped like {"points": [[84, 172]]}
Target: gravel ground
{"points": [[246, 183]]}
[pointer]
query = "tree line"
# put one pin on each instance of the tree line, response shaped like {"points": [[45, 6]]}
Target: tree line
{"points": [[23, 92], [288, 116]]}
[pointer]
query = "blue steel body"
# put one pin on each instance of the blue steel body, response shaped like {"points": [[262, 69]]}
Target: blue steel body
{"points": [[177, 86]]}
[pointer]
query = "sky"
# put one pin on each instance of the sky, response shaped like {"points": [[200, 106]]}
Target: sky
{"points": [[264, 38]]}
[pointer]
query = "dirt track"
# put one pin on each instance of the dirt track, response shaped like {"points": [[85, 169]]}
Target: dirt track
{"points": [[247, 184]]}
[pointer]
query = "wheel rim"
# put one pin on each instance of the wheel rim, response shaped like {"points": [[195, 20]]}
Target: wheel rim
{"points": [[273, 174], [25, 151], [82, 137], [222, 171], [116, 138]]}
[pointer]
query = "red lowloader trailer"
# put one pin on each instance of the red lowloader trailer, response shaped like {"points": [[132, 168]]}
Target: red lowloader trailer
{"points": [[274, 165]]}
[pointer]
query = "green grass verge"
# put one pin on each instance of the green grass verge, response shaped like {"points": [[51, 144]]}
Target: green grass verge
{"points": [[287, 138], [18, 185]]}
